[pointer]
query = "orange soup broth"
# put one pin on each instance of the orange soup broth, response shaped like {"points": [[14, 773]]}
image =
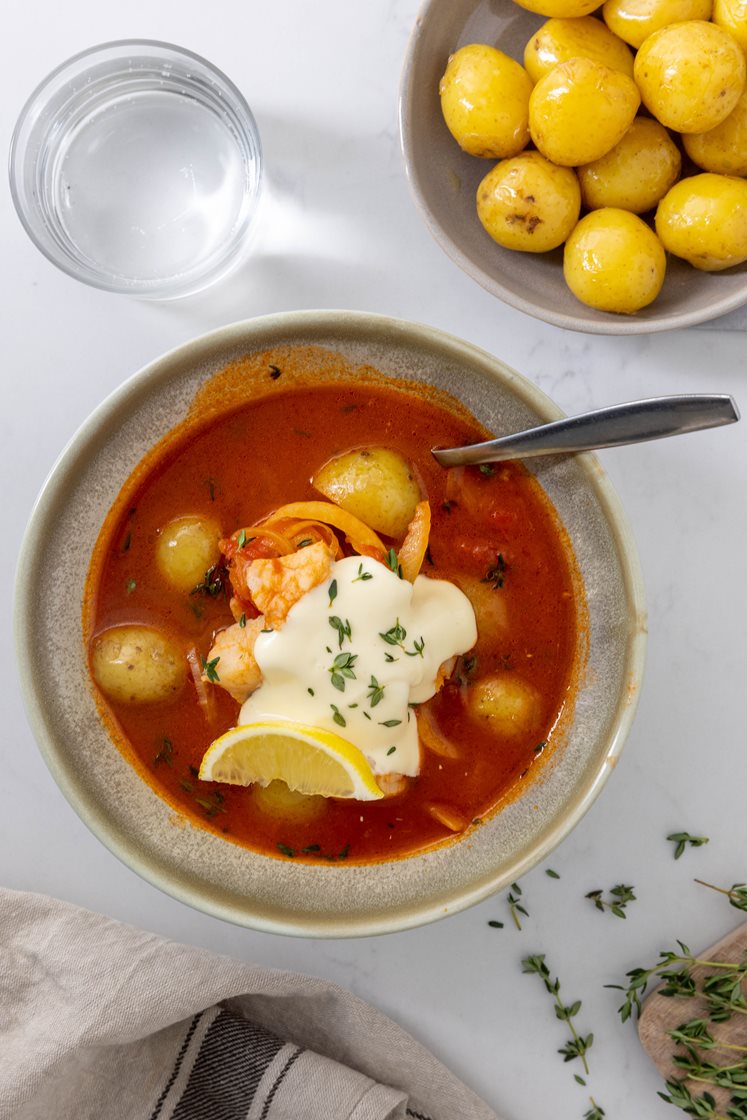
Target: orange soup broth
{"points": [[236, 468]]}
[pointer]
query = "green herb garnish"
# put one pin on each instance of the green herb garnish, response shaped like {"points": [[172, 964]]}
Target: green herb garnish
{"points": [[362, 574], [391, 750], [242, 621], [737, 893], [417, 651], [164, 753], [214, 581], [551, 874], [376, 693], [390, 723], [342, 628], [332, 591], [130, 586], [487, 470], [210, 670], [241, 540], [337, 716], [393, 562], [621, 895], [342, 670], [515, 906], [495, 573], [286, 851], [578, 1045], [395, 635], [682, 839]]}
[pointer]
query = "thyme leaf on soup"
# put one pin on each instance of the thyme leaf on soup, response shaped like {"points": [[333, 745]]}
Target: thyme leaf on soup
{"points": [[419, 646], [337, 716], [165, 752], [130, 586], [213, 583], [376, 692], [342, 669], [275, 372], [304, 543], [210, 488], [577, 1045], [363, 575], [395, 635], [127, 541], [487, 470], [342, 627], [210, 669], [332, 591], [242, 621], [390, 723], [286, 851], [682, 839], [392, 561], [495, 575]]}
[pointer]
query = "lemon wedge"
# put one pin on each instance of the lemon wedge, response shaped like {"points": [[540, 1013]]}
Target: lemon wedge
{"points": [[308, 759]]}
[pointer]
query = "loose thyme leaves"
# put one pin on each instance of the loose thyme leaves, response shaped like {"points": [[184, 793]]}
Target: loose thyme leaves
{"points": [[164, 753], [619, 898], [682, 839], [376, 692], [286, 851], [515, 906], [242, 621], [395, 635], [596, 1112], [578, 1045], [337, 716], [131, 585], [362, 574], [675, 970], [495, 573], [418, 647], [487, 470], [214, 581], [342, 670], [332, 591], [341, 626], [393, 562], [737, 893], [495, 925], [241, 540], [551, 874], [210, 670]]}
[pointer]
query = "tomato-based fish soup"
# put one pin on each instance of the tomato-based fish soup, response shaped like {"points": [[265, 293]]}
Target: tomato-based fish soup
{"points": [[498, 707]]}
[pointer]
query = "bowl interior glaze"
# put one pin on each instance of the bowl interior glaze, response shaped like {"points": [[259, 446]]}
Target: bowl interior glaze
{"points": [[197, 866]]}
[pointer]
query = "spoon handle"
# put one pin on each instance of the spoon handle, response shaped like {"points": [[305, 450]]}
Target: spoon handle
{"points": [[619, 424]]}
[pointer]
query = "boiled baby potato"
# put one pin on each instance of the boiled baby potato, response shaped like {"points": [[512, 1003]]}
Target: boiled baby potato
{"points": [[704, 220], [484, 100], [277, 800], [613, 261], [635, 20], [732, 16], [722, 149], [690, 75], [562, 9], [561, 39], [508, 705], [375, 484], [636, 173], [528, 203], [137, 664], [580, 110], [186, 548]]}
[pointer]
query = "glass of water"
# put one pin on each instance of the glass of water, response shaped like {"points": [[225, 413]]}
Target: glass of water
{"points": [[136, 167]]}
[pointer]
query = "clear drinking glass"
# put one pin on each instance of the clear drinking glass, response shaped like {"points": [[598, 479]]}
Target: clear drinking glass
{"points": [[136, 167]]}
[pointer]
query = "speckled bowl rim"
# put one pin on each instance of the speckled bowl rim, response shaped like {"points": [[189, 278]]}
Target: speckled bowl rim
{"points": [[85, 441], [623, 325]]}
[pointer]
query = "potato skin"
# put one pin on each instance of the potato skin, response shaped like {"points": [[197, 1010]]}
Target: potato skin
{"points": [[636, 173], [562, 9], [375, 484], [704, 220], [635, 20], [484, 101], [509, 705], [559, 40], [186, 548], [528, 203], [138, 664], [732, 16], [604, 100], [690, 75], [614, 262], [722, 149]]}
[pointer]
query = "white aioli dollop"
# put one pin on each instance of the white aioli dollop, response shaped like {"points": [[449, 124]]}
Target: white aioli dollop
{"points": [[387, 636]]}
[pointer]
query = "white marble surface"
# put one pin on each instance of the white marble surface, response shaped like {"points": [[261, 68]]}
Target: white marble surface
{"points": [[341, 231]]}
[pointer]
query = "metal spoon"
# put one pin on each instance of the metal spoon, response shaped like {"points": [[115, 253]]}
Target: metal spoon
{"points": [[619, 424]]}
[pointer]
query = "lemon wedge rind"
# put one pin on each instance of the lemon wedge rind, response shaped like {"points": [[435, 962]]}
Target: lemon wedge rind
{"points": [[308, 759]]}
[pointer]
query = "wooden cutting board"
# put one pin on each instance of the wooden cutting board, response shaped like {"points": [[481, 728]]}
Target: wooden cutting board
{"points": [[661, 1014]]}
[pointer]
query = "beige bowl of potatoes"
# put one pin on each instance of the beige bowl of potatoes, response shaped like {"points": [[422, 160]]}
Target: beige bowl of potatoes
{"points": [[586, 164]]}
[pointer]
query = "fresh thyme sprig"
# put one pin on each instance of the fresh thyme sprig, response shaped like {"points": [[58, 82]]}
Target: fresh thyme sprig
{"points": [[515, 906], [737, 893], [596, 1112], [621, 895], [679, 982], [682, 839], [577, 1045]]}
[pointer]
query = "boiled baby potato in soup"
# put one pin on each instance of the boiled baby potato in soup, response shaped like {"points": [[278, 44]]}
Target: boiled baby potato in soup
{"points": [[375, 484]]}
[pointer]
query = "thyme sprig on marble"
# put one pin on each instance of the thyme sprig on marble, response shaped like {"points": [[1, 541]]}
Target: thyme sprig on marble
{"points": [[682, 839], [577, 1045], [620, 896], [736, 893], [515, 904]]}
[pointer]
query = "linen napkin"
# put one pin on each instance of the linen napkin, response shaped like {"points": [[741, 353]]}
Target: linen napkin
{"points": [[101, 1021]]}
